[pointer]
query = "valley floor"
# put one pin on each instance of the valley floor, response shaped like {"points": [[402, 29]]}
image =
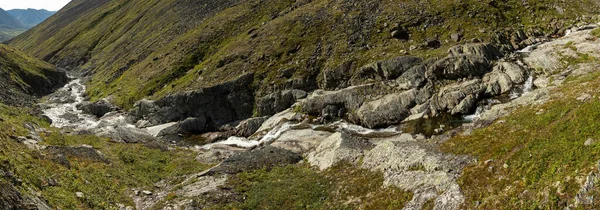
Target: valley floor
{"points": [[540, 150]]}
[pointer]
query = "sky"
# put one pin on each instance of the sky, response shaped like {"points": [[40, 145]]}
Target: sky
{"points": [[52, 5]]}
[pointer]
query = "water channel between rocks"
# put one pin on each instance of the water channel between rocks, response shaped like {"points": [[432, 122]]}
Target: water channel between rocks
{"points": [[62, 108]]}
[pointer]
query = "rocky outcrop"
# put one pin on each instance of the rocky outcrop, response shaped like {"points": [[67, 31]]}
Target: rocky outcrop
{"points": [[266, 157], [460, 66], [384, 70], [216, 105], [11, 199], [390, 109], [337, 148], [458, 98], [339, 77], [486, 50], [414, 166], [98, 108], [248, 127], [278, 101], [348, 99]]}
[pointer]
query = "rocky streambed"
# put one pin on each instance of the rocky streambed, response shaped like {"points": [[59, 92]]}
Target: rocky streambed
{"points": [[375, 121]]}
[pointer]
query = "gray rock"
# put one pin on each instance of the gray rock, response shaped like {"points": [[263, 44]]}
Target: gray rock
{"points": [[453, 95], [193, 125], [460, 66], [98, 108], [248, 127], [456, 37], [332, 79], [517, 73], [301, 141], [274, 103], [339, 147], [79, 195], [415, 167], [390, 109], [384, 70], [81, 152], [219, 105], [350, 98], [266, 157], [399, 32], [129, 135], [413, 78], [497, 83], [486, 50]]}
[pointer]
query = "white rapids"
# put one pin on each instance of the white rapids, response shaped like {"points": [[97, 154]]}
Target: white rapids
{"points": [[61, 108], [276, 132]]}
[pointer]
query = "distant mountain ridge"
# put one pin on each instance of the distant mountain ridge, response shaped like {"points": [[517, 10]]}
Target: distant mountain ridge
{"points": [[16, 21], [30, 17], [7, 21]]}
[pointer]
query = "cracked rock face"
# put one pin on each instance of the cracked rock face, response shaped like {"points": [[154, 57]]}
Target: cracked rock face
{"points": [[418, 167]]}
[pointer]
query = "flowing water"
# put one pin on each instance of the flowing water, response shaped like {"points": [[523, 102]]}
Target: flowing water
{"points": [[61, 108]]}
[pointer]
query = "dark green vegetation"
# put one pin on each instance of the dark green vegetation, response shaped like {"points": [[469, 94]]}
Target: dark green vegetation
{"points": [[104, 184], [23, 76], [299, 187], [30, 17], [538, 157], [136, 49]]}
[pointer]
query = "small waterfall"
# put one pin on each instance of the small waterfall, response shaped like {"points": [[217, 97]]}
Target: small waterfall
{"points": [[528, 86]]}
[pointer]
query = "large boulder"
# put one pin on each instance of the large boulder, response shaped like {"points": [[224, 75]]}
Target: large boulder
{"points": [[458, 98], [384, 70], [497, 82], [248, 127], [516, 72], [98, 108], [460, 66], [192, 125], [416, 167], [390, 109], [266, 157], [126, 134], [339, 147], [486, 50]]}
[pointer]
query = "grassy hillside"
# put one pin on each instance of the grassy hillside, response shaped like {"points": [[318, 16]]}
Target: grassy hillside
{"points": [[136, 49], [103, 181], [24, 76]]}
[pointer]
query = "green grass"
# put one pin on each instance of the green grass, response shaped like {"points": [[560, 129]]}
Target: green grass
{"points": [[300, 187], [135, 54], [104, 185], [544, 152]]}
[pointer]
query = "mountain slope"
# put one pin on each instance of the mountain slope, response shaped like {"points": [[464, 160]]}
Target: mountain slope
{"points": [[30, 17], [24, 77], [9, 26], [133, 53]]}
